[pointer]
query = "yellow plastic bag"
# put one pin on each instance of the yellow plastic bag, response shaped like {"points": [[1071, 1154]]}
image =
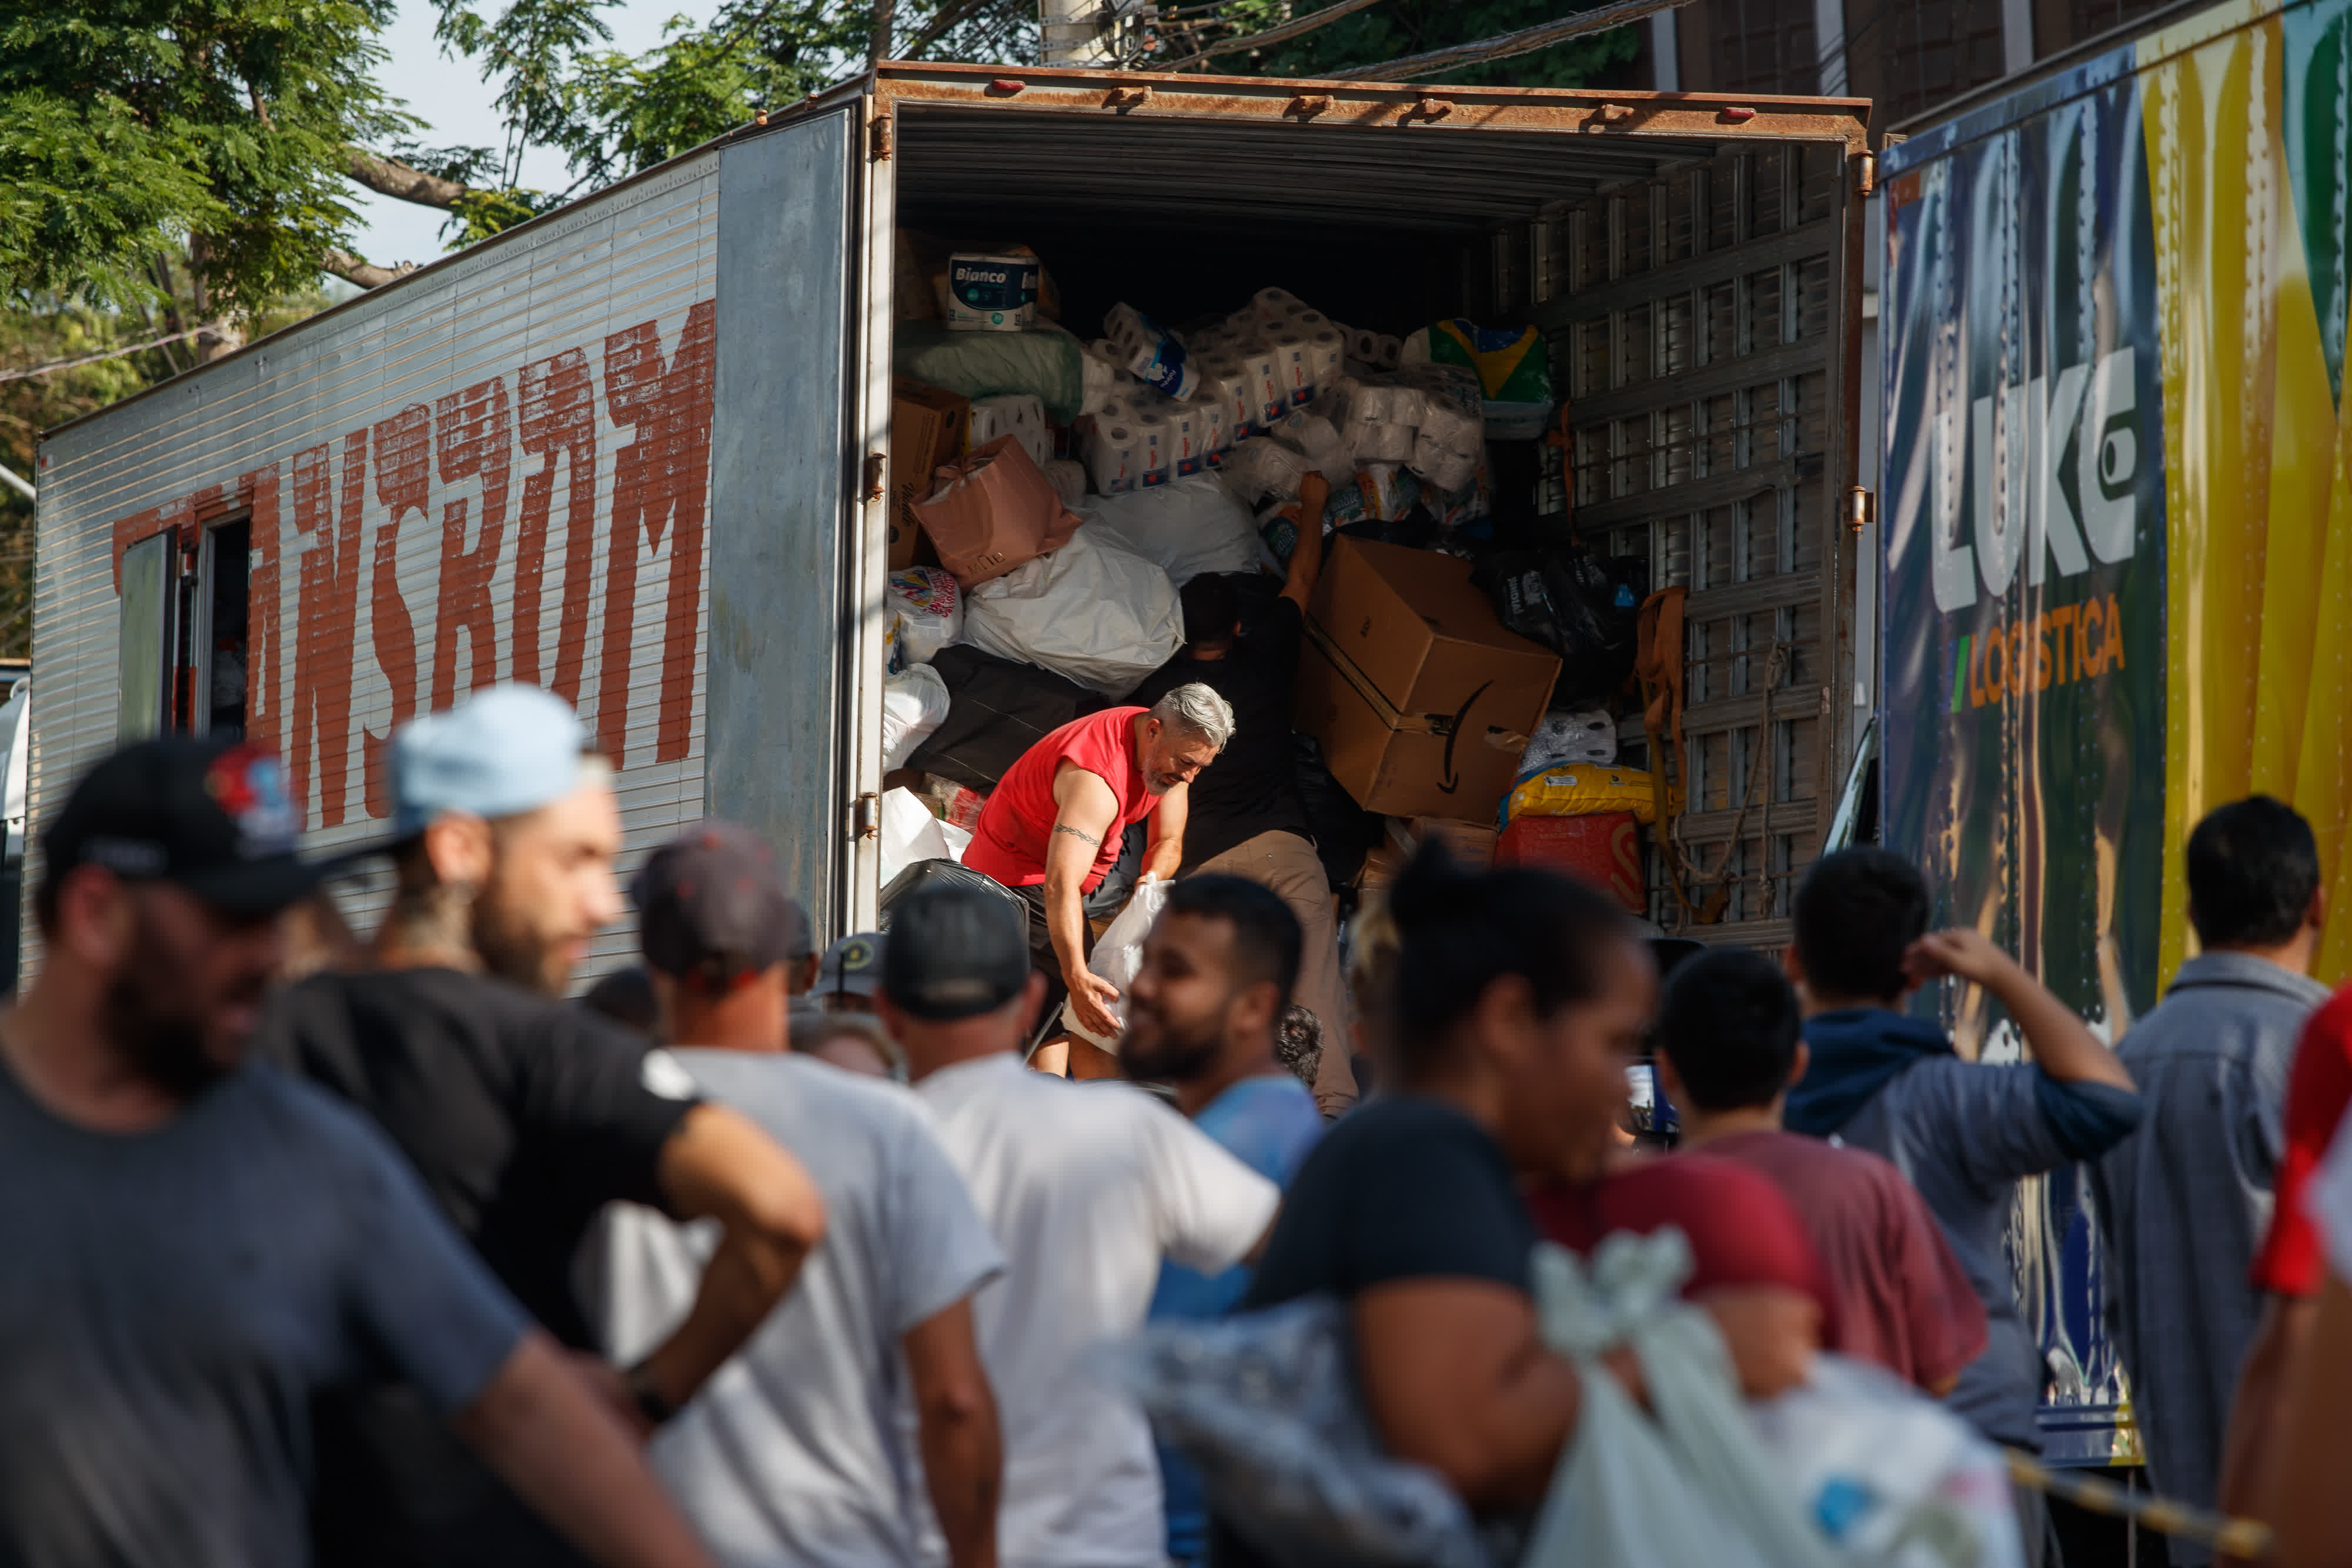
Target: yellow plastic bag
{"points": [[1579, 789]]}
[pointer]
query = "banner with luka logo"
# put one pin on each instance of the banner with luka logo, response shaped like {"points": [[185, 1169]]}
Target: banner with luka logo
{"points": [[2119, 503]]}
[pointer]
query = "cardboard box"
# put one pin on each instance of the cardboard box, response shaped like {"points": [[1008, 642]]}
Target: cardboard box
{"points": [[1604, 850], [1471, 844], [927, 427], [1421, 701]]}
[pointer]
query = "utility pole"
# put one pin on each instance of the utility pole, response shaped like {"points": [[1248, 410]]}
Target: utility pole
{"points": [[1071, 33]]}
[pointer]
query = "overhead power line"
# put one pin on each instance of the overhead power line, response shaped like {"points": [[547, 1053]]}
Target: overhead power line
{"points": [[1526, 41], [1272, 35], [32, 370]]}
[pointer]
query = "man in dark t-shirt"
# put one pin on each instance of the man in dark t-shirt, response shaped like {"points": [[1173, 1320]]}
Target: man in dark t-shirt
{"points": [[1247, 819], [523, 1116]]}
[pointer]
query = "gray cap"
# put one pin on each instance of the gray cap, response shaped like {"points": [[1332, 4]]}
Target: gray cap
{"points": [[955, 951], [511, 749]]}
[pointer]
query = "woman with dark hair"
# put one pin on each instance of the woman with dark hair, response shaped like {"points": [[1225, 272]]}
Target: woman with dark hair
{"points": [[1515, 1000]]}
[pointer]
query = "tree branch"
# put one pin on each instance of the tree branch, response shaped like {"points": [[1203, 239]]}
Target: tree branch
{"points": [[389, 177], [351, 269]]}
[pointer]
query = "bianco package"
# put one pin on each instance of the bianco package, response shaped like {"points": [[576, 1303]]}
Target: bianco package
{"points": [[992, 291], [925, 609], [1092, 610], [1016, 414], [1186, 528]]}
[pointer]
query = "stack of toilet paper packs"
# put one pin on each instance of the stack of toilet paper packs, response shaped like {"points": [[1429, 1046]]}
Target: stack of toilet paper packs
{"points": [[1272, 392]]}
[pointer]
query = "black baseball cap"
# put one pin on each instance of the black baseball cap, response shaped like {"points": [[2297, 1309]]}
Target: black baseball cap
{"points": [[212, 817], [955, 951], [711, 903]]}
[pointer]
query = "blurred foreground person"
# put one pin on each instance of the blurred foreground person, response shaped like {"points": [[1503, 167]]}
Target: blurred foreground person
{"points": [[790, 1456], [1087, 1187], [1204, 1017], [626, 997], [1728, 1050], [850, 976], [525, 1116], [853, 1042], [2307, 1503], [196, 1245], [2182, 1207], [1514, 1001]]}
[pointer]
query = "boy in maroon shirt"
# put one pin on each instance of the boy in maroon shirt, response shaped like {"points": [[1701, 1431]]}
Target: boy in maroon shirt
{"points": [[1729, 1050]]}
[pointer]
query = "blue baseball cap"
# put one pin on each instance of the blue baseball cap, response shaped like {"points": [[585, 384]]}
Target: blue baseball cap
{"points": [[511, 749]]}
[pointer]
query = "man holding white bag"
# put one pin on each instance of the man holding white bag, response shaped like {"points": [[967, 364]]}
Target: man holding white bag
{"points": [[1055, 829]]}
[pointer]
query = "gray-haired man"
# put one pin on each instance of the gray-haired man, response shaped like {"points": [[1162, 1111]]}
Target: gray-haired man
{"points": [[1054, 828]]}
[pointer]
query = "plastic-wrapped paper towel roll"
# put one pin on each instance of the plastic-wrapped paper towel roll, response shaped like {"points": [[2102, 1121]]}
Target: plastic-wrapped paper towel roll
{"points": [[1017, 414], [1294, 369], [1268, 388], [1364, 344], [1068, 479], [1445, 448], [1154, 463], [1231, 376], [1326, 353], [1111, 457], [1391, 350], [1187, 449], [1261, 467], [1271, 305], [1149, 354], [1217, 425]]}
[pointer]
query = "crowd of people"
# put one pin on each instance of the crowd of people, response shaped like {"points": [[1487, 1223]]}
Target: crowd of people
{"points": [[771, 1253]]}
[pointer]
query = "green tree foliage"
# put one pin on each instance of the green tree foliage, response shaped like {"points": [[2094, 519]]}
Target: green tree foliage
{"points": [[131, 128]]}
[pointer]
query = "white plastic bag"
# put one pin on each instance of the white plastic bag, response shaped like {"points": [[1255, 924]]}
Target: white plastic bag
{"points": [[910, 833], [914, 703], [1693, 1484], [1187, 528], [1587, 736], [925, 609], [1894, 1478], [1092, 611], [1119, 954]]}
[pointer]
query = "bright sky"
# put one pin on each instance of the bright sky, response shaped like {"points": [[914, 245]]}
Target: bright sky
{"points": [[454, 104]]}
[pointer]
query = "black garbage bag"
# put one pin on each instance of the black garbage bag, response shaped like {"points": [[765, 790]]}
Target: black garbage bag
{"points": [[927, 874], [1585, 608], [997, 709]]}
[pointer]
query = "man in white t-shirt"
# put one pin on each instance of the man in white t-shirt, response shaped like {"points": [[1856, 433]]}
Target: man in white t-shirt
{"points": [[792, 1452], [1088, 1188]]}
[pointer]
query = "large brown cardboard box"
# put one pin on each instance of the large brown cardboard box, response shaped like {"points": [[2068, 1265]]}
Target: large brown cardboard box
{"points": [[1423, 702], [927, 425]]}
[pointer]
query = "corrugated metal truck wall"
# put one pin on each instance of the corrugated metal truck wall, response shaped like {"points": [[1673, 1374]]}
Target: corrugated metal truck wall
{"points": [[498, 470], [1697, 322]]}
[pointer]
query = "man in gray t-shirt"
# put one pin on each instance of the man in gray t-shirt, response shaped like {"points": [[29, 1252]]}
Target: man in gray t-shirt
{"points": [[793, 1452], [2183, 1207], [196, 1246]]}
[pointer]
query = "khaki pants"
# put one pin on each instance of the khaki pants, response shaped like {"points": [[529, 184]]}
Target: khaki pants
{"points": [[1287, 864]]}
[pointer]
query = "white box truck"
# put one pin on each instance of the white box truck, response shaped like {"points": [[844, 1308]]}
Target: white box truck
{"points": [[636, 450]]}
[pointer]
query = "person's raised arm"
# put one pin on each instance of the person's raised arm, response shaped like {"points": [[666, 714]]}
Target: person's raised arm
{"points": [[1085, 813], [718, 1165], [566, 1453], [955, 1412], [2061, 1044], [1167, 819], [1306, 555]]}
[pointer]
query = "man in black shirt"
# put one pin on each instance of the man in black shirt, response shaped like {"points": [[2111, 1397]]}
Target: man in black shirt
{"points": [[1247, 819], [523, 1116]]}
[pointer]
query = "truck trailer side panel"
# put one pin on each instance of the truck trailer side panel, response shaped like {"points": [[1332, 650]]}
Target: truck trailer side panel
{"points": [[2119, 541], [498, 470]]}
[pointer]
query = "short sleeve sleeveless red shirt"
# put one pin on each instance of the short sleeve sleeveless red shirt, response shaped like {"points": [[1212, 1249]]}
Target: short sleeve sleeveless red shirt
{"points": [[1008, 844]]}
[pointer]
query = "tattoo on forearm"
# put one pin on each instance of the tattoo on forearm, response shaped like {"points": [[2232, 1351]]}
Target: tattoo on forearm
{"points": [[1088, 838]]}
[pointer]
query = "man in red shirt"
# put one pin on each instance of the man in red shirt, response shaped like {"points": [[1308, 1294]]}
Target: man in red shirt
{"points": [[1729, 1050], [1054, 826], [2291, 1267]]}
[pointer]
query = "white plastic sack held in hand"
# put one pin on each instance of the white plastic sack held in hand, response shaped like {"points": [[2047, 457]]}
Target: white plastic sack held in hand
{"points": [[1119, 954], [1100, 615], [914, 703], [1894, 1478], [1188, 527], [910, 833], [1693, 1485]]}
